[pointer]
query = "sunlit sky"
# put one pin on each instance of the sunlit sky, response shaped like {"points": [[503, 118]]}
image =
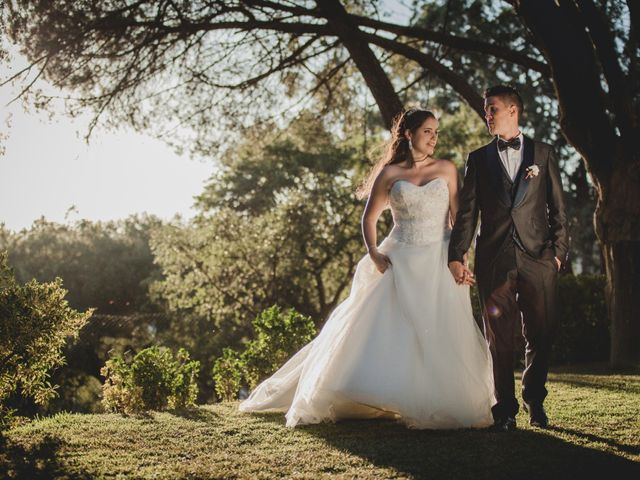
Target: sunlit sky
{"points": [[47, 167]]}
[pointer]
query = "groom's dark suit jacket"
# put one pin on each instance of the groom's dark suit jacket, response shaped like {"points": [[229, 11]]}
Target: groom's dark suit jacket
{"points": [[531, 211]]}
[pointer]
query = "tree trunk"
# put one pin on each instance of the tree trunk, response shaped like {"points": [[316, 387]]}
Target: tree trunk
{"points": [[611, 158], [617, 221], [369, 66], [622, 260]]}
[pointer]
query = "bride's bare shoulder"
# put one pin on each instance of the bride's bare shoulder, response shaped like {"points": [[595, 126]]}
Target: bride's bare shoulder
{"points": [[447, 169], [392, 169], [390, 172]]}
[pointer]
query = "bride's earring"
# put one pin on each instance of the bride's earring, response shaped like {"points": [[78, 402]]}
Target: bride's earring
{"points": [[410, 144]]}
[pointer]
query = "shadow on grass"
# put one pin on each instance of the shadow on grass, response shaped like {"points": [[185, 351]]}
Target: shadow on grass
{"points": [[467, 453], [35, 461], [576, 380], [597, 439], [599, 368], [200, 414]]}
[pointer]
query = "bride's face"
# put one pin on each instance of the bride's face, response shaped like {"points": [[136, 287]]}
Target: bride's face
{"points": [[425, 138]]}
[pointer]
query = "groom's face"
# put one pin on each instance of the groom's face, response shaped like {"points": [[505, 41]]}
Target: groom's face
{"points": [[501, 118]]}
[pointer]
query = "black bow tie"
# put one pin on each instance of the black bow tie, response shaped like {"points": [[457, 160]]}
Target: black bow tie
{"points": [[513, 143]]}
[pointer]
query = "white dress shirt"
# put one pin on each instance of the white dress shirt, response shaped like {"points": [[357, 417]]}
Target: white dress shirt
{"points": [[511, 158]]}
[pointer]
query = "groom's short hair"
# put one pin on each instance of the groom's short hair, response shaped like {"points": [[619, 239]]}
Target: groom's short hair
{"points": [[507, 94]]}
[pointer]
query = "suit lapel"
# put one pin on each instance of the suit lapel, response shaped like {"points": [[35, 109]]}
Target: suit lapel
{"points": [[496, 171], [527, 161]]}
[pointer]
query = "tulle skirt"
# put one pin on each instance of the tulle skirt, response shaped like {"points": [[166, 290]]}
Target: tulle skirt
{"points": [[402, 345]]}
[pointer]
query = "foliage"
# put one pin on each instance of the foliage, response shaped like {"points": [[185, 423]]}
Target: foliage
{"points": [[104, 265], [119, 393], [583, 328], [35, 323], [79, 392], [107, 266], [154, 380], [227, 374], [278, 224], [278, 335]]}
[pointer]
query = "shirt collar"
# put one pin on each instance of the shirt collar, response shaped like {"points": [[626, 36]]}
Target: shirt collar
{"points": [[520, 136]]}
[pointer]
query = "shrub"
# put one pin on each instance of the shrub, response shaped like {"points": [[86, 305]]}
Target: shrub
{"points": [[583, 325], [227, 374], [278, 335], [119, 394], [35, 323], [154, 380]]}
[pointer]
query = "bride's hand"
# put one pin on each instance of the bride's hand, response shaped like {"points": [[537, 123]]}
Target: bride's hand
{"points": [[380, 260]]}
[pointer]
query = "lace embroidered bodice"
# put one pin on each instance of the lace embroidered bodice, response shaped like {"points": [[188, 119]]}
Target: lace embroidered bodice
{"points": [[420, 213]]}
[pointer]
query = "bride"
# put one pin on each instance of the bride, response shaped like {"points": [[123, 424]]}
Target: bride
{"points": [[403, 344]]}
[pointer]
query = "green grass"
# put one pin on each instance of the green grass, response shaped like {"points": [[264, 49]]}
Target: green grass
{"points": [[596, 432]]}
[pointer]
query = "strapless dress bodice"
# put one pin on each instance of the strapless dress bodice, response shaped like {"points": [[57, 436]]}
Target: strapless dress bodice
{"points": [[420, 212]]}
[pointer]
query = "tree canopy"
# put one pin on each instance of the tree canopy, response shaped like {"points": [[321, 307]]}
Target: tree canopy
{"points": [[202, 73]]}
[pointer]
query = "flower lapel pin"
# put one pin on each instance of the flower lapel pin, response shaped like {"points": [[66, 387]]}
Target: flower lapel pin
{"points": [[532, 171]]}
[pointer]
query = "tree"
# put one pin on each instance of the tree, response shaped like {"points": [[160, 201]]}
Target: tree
{"points": [[587, 53], [278, 224], [107, 266]]}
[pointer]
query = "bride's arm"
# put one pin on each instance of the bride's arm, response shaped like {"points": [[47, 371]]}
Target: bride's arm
{"points": [[376, 204], [452, 180], [451, 174]]}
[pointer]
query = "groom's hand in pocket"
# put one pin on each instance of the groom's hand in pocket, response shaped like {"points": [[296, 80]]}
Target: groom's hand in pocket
{"points": [[558, 263]]}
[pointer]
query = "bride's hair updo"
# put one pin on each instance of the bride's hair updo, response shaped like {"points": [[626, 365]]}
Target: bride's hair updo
{"points": [[398, 149]]}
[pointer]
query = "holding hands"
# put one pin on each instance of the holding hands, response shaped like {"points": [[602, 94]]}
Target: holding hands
{"points": [[461, 272]]}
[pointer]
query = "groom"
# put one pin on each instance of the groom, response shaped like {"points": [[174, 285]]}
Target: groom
{"points": [[514, 185]]}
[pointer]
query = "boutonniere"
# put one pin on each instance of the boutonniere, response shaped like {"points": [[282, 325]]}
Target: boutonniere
{"points": [[532, 171]]}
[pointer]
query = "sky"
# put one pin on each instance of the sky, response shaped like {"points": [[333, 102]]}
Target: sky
{"points": [[48, 169]]}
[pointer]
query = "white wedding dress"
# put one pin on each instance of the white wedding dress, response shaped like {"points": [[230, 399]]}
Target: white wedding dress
{"points": [[402, 345]]}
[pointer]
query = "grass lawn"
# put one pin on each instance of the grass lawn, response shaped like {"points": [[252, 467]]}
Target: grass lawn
{"points": [[595, 433]]}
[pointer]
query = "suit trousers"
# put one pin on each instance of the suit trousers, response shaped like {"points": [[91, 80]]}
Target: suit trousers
{"points": [[519, 291]]}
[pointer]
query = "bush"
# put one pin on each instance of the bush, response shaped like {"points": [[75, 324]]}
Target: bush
{"points": [[583, 325], [35, 323], [155, 380], [119, 393], [228, 374], [278, 335]]}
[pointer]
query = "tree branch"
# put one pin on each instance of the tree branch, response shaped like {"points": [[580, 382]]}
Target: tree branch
{"points": [[577, 82], [459, 43], [457, 82], [604, 42], [374, 75]]}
